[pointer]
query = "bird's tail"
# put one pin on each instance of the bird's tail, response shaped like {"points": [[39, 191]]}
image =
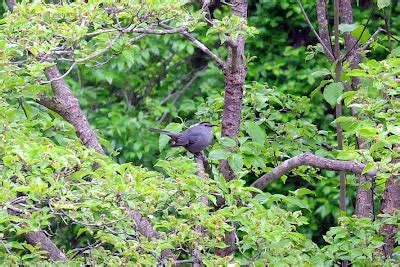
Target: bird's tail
{"points": [[160, 131]]}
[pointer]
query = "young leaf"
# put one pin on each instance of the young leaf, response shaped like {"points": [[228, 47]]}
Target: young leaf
{"points": [[383, 3], [256, 133], [347, 27], [332, 93], [236, 162]]}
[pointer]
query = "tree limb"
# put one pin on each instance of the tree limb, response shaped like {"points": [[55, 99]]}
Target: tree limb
{"points": [[328, 51], [309, 159]]}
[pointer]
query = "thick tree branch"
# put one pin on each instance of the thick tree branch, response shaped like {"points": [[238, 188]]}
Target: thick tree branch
{"points": [[67, 105], [309, 159], [46, 244], [234, 78], [143, 226]]}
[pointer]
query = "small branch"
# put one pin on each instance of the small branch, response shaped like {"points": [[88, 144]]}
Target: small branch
{"points": [[199, 159], [178, 95], [60, 77], [159, 32], [199, 45], [327, 51], [309, 159], [205, 49], [373, 38], [338, 109], [137, 38], [234, 55], [90, 246]]}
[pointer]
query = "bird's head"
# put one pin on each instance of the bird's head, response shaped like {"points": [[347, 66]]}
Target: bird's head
{"points": [[207, 124]]}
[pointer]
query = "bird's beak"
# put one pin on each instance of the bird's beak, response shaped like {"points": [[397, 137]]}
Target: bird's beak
{"points": [[214, 125]]}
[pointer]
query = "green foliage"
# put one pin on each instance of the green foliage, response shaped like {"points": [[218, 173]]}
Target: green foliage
{"points": [[81, 197]]}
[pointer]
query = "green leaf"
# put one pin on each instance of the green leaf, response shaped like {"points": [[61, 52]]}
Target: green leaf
{"points": [[317, 90], [368, 167], [383, 3], [320, 73], [218, 154], [365, 34], [236, 162], [347, 27], [358, 73], [303, 191], [228, 142], [164, 139], [332, 93], [347, 155], [256, 133]]}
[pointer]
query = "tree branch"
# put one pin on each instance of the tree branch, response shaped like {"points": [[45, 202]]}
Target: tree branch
{"points": [[327, 50], [309, 159], [11, 4], [323, 26], [143, 226]]}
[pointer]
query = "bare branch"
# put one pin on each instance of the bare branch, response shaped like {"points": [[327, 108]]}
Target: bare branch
{"points": [[372, 38], [205, 49], [199, 45], [62, 76], [309, 159], [39, 237], [90, 246], [327, 50]]}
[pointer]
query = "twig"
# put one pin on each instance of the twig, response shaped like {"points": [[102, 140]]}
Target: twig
{"points": [[4, 245], [81, 250], [178, 95], [200, 46], [62, 76]]}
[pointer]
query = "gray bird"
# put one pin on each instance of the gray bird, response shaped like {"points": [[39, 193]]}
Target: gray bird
{"points": [[194, 139]]}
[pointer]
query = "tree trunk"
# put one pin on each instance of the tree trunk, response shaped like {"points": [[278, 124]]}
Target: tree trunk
{"points": [[364, 197], [234, 75], [390, 203]]}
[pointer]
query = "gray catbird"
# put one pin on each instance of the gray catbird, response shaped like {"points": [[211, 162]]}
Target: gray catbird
{"points": [[194, 139]]}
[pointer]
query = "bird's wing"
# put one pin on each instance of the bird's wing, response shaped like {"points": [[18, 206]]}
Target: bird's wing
{"points": [[179, 140], [194, 138]]}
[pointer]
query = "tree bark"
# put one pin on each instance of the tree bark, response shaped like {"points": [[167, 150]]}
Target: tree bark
{"points": [[234, 75], [390, 203], [309, 159], [67, 105], [364, 197], [40, 238], [323, 28]]}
